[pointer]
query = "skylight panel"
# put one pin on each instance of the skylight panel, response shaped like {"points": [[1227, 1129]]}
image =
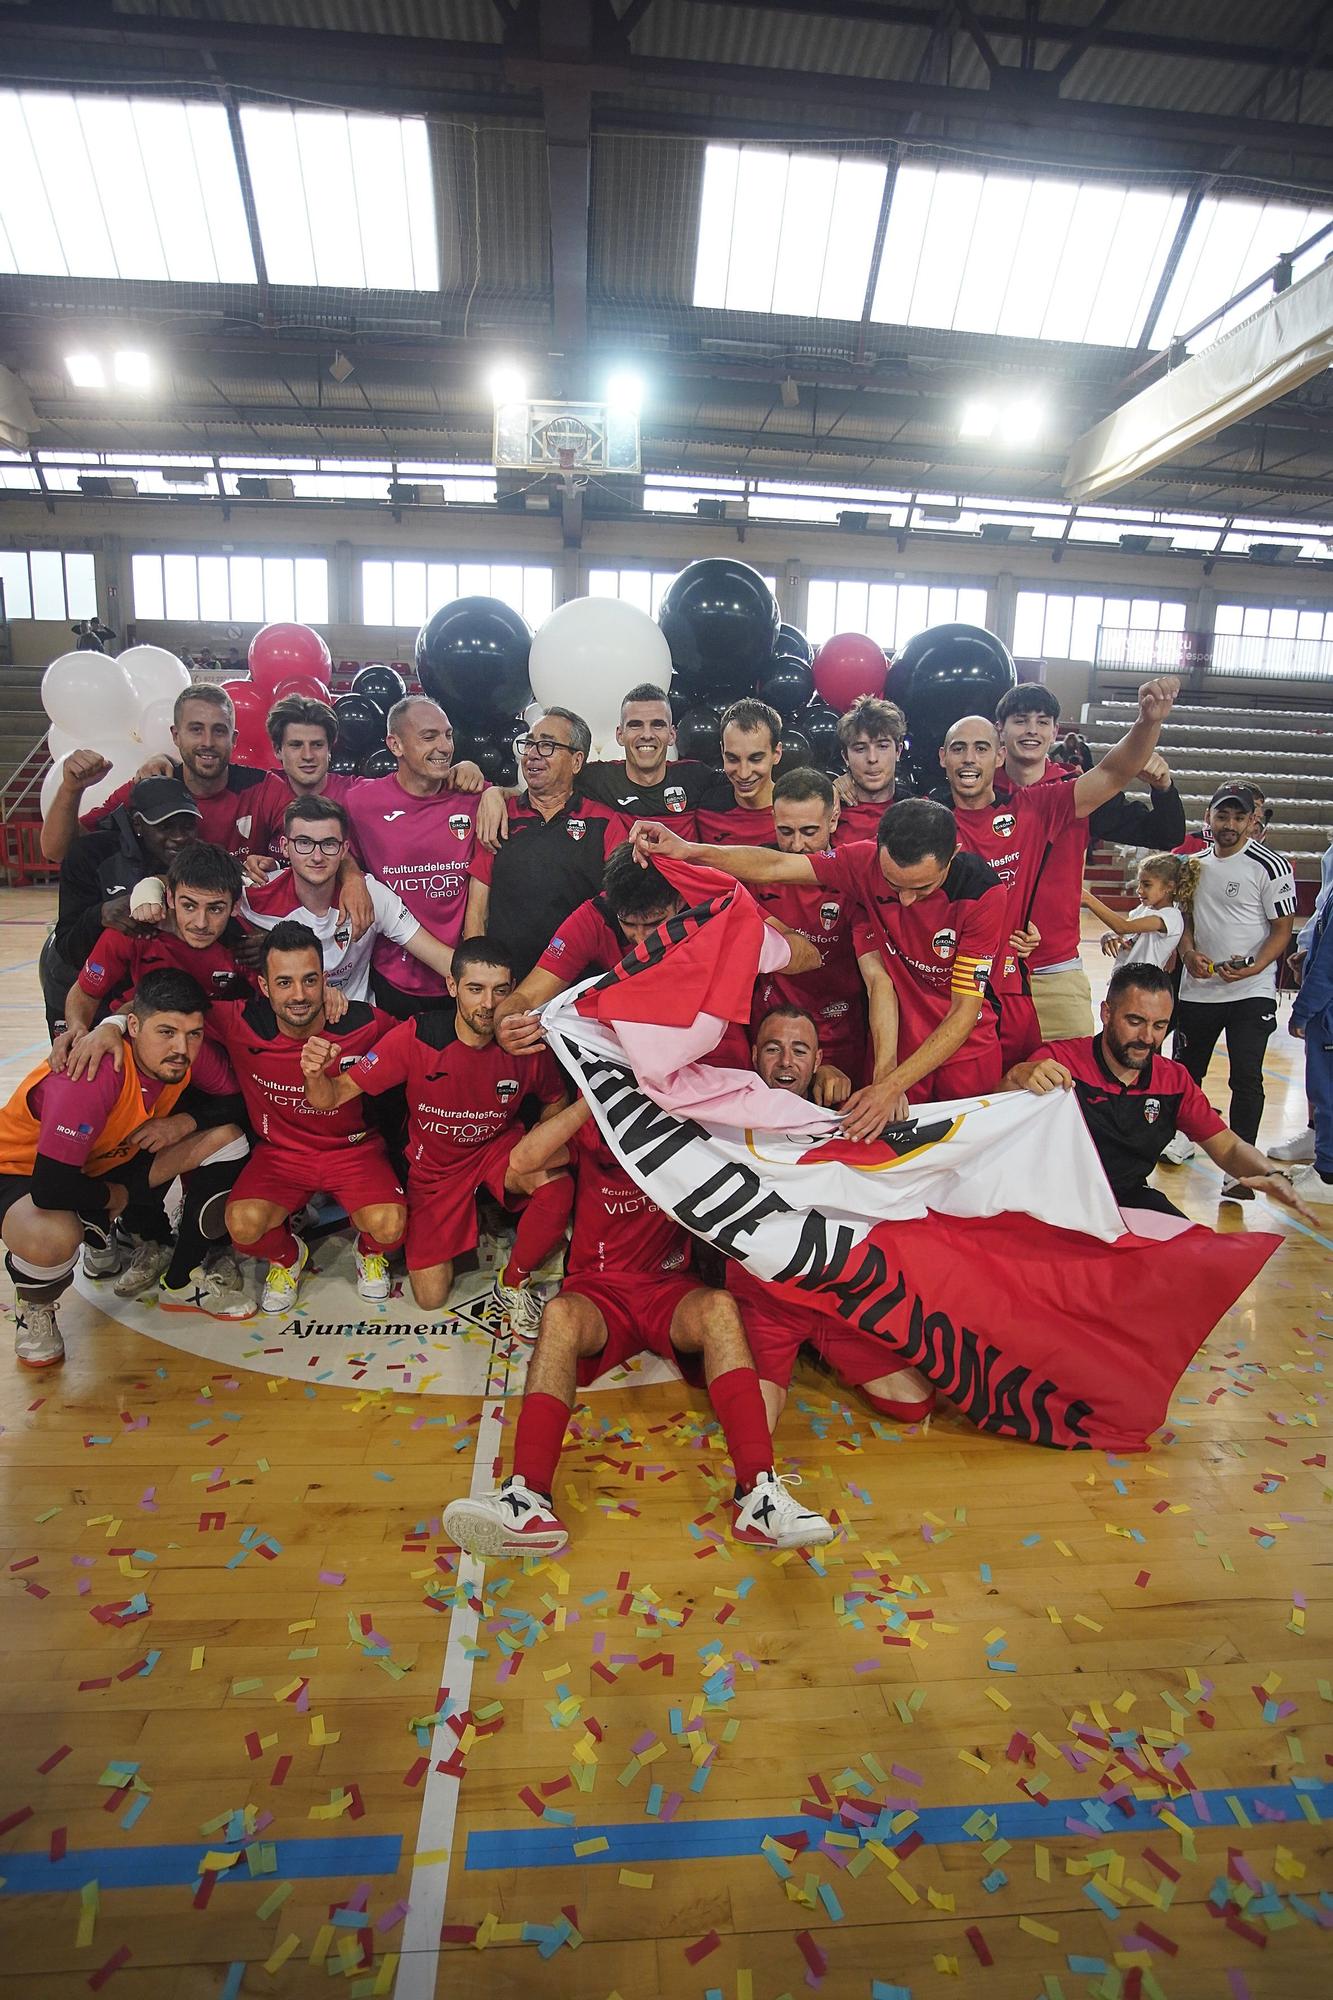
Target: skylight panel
{"points": [[343, 198], [786, 232], [120, 187], [1030, 256], [1232, 242]]}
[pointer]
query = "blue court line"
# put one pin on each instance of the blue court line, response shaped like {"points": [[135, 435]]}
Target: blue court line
{"points": [[177, 1865], [1018, 1819], [20, 965]]}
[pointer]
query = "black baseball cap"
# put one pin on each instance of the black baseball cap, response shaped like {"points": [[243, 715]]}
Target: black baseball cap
{"points": [[159, 799], [1234, 795]]}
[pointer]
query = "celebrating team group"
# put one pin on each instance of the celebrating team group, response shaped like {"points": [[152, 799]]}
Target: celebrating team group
{"points": [[274, 991]]}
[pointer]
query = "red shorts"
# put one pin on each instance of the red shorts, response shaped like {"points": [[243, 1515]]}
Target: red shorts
{"points": [[359, 1176], [442, 1207], [970, 1074], [775, 1329], [1020, 1030], [638, 1307]]}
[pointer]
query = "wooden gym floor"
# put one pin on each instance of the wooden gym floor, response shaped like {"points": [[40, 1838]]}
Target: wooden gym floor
{"points": [[1058, 1721]]}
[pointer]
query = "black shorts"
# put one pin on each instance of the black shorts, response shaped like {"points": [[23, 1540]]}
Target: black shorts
{"points": [[13, 1187]]}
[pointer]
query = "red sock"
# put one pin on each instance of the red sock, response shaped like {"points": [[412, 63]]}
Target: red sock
{"points": [[541, 1224], [539, 1440], [276, 1246], [369, 1246], [739, 1402]]}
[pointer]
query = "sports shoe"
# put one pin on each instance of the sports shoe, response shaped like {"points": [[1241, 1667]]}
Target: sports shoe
{"points": [[372, 1275], [768, 1514], [38, 1342], [225, 1267], [1176, 1154], [1233, 1191], [521, 1306], [282, 1282], [514, 1521], [107, 1254], [208, 1292], [1297, 1152], [144, 1269], [1310, 1185]]}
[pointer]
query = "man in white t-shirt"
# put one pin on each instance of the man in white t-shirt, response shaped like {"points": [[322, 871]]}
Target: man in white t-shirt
{"points": [[314, 840], [1240, 926]]}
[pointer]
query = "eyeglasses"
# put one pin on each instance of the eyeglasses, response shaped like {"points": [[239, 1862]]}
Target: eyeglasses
{"points": [[302, 844], [543, 745]]}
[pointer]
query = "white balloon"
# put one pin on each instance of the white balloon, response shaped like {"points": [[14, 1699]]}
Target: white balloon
{"points": [[125, 758], [61, 741], [90, 695], [155, 674], [588, 655], [153, 729]]}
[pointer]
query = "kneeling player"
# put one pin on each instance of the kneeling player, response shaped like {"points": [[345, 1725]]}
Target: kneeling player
{"points": [[629, 1290], [464, 1096], [786, 1055], [75, 1150]]}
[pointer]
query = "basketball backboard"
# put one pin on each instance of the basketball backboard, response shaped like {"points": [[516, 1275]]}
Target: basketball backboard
{"points": [[591, 438]]}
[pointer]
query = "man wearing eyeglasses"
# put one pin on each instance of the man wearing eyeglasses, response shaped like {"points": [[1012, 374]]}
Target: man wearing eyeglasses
{"points": [[314, 839], [557, 845]]}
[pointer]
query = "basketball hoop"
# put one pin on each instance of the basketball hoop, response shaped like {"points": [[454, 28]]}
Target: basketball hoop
{"points": [[588, 439]]}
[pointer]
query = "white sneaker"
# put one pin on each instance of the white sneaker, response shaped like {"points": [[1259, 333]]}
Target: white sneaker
{"points": [[1310, 1185], [38, 1342], [1176, 1154], [522, 1308], [372, 1275], [144, 1269], [208, 1292], [107, 1256], [768, 1514], [1297, 1152], [511, 1522], [282, 1283], [225, 1267]]}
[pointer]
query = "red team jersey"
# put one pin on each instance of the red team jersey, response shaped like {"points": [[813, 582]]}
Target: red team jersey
{"points": [[227, 819], [276, 794], [860, 820], [270, 1079], [1011, 837], [460, 1098], [835, 994], [116, 964], [586, 942], [616, 1227], [940, 945], [1058, 904], [723, 823], [421, 848]]}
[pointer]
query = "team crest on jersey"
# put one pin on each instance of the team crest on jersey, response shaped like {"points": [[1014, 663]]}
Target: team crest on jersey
{"points": [[1233, 888], [829, 914], [506, 1089], [944, 943], [460, 826], [243, 824], [576, 828], [673, 798], [1004, 824], [1152, 1109], [342, 936]]}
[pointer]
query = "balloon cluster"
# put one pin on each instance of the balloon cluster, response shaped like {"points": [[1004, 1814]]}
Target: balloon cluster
{"points": [[283, 659], [121, 707]]}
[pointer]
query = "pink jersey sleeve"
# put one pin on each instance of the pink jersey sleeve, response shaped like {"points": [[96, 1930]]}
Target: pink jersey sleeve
{"points": [[73, 1114], [109, 966]]}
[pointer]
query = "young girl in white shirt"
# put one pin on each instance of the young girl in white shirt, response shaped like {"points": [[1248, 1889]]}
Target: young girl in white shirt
{"points": [[1151, 932]]}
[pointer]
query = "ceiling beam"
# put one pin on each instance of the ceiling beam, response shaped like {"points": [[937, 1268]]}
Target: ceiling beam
{"points": [[1083, 40], [565, 28]]}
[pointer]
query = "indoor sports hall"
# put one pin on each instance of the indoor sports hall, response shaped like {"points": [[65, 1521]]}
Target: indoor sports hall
{"points": [[413, 393]]}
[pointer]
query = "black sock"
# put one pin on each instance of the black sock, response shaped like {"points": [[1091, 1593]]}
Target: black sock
{"points": [[204, 1189]]}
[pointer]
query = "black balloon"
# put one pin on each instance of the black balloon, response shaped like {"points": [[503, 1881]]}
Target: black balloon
{"points": [[787, 686], [496, 761], [699, 736], [344, 765], [945, 673], [721, 620], [791, 639], [360, 726], [379, 763], [382, 685], [472, 657], [681, 700], [796, 751], [819, 725]]}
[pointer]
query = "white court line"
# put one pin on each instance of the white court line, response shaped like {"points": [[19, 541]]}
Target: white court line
{"points": [[418, 1968]]}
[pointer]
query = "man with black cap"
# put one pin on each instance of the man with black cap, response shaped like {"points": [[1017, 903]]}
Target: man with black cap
{"points": [[140, 838], [1235, 937]]}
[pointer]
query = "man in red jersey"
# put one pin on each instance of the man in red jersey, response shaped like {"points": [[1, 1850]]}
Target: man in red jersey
{"points": [[805, 821], [647, 784], [629, 1289], [464, 1095], [1017, 836], [736, 810], [787, 1056], [417, 835], [871, 733], [928, 924], [1027, 717]]}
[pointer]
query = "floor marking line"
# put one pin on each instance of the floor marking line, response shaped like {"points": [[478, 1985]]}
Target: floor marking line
{"points": [[418, 1967], [630, 1841], [177, 1863]]}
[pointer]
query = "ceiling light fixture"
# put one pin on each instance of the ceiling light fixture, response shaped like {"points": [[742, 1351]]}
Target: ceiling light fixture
{"points": [[132, 368], [507, 385], [977, 420], [85, 371], [624, 391]]}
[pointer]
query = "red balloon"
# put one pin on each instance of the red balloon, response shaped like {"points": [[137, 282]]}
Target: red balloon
{"points": [[281, 650], [848, 665], [308, 686]]}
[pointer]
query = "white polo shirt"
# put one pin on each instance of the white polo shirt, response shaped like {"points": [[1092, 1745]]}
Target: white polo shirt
{"points": [[346, 965], [1235, 903]]}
